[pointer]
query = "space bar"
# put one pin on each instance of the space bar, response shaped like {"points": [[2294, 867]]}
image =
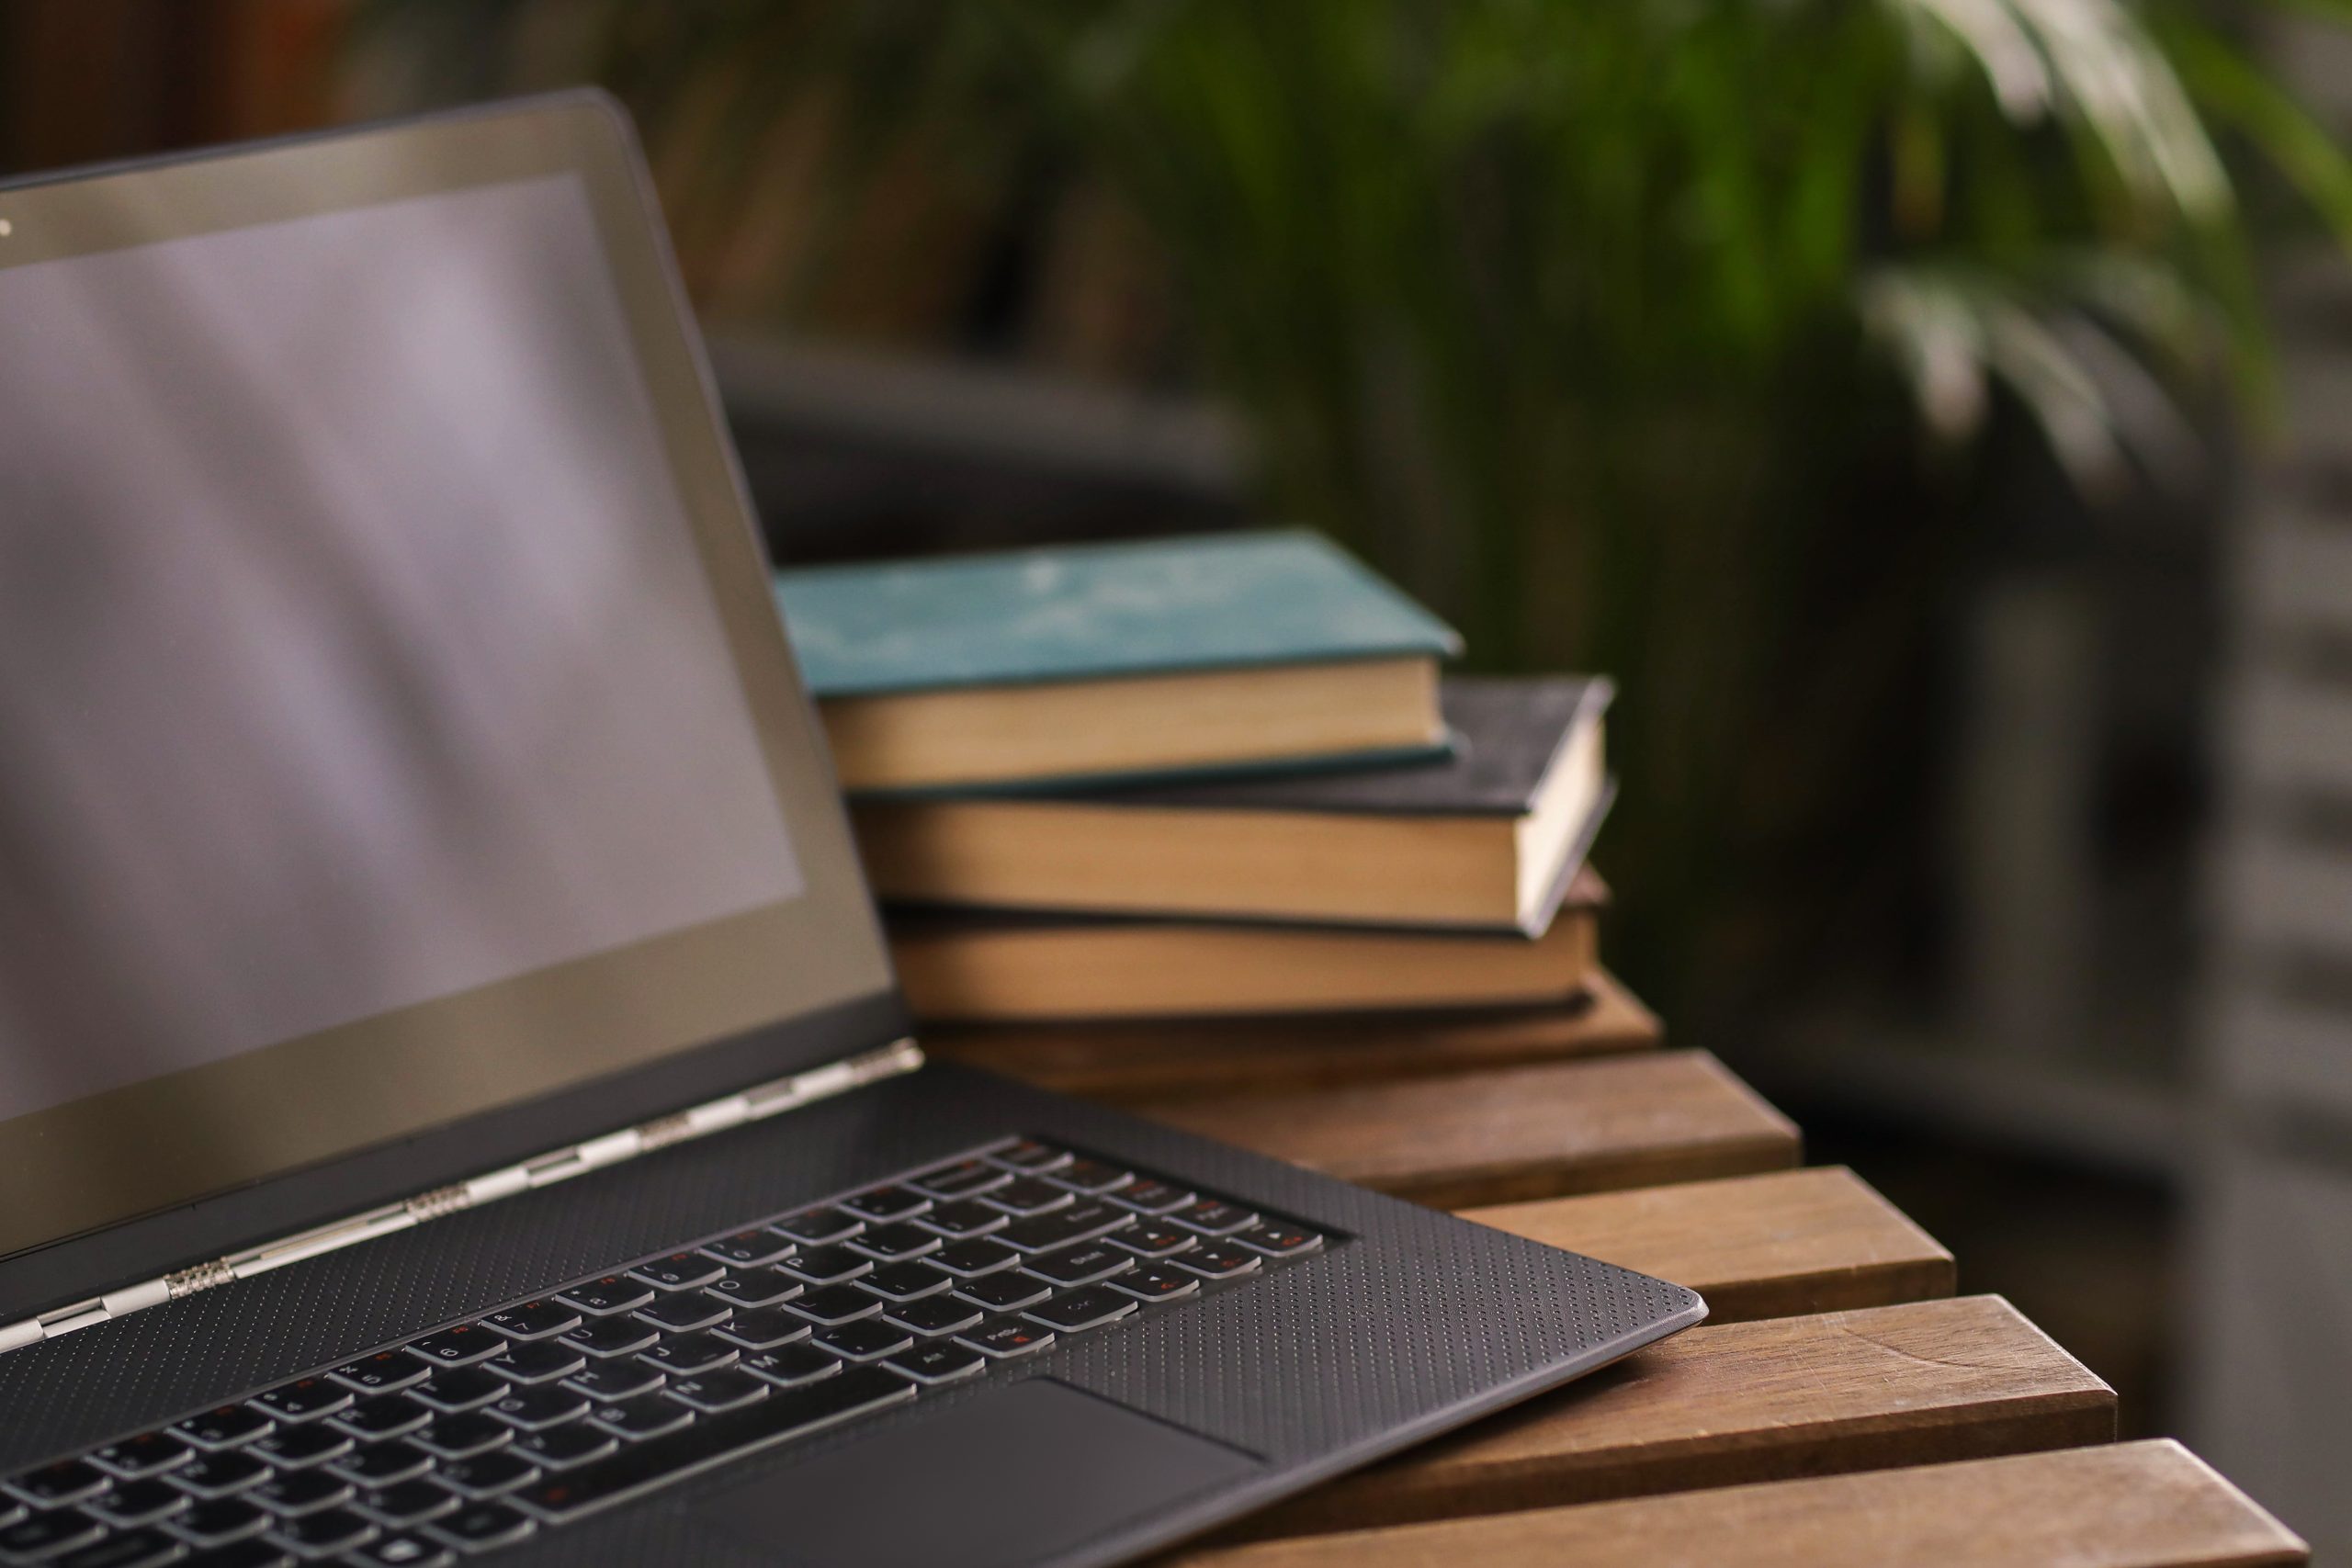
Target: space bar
{"points": [[711, 1441]]}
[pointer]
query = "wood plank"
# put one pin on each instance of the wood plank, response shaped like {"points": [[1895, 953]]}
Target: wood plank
{"points": [[1515, 1134], [1917, 1384], [2149, 1505], [1133, 1061], [1771, 1245]]}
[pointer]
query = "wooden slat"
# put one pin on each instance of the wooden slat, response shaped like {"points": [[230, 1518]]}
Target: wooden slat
{"points": [[1521, 1132], [1131, 1061], [1917, 1384], [1771, 1245], [2149, 1504]]}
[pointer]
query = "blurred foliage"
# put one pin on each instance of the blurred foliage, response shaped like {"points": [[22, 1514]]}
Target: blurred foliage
{"points": [[1609, 326]]}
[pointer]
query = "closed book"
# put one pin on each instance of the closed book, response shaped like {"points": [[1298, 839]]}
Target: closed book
{"points": [[982, 966], [1485, 840], [1103, 662]]}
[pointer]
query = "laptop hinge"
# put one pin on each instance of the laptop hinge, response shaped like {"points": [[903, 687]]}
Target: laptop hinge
{"points": [[756, 1104]]}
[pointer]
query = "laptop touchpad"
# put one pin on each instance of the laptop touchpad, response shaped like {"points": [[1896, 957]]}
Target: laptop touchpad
{"points": [[1016, 1476]]}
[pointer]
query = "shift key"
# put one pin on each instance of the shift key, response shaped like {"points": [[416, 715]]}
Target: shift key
{"points": [[1079, 1222], [784, 1413]]}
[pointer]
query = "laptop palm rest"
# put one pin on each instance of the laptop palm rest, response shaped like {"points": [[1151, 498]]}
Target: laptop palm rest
{"points": [[1016, 1476]]}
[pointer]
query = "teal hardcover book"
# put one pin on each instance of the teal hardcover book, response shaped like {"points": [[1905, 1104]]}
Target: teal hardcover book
{"points": [[1095, 612]]}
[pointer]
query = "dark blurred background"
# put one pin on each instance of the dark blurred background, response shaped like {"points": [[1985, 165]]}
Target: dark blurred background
{"points": [[1926, 410]]}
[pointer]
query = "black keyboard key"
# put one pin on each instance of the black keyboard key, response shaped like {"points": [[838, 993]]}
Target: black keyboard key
{"points": [[609, 1383], [530, 1409], [225, 1427], [480, 1527], [139, 1503], [645, 1465], [132, 1549], [679, 1271], [1083, 1221], [790, 1364], [968, 1258], [961, 1179], [299, 1448], [215, 1520], [461, 1388], [1027, 1195], [755, 1286], [409, 1502], [826, 1265], [642, 1418], [764, 1328], [54, 1485], [303, 1492], [385, 1464], [1089, 1306], [1157, 1282], [45, 1534], [1279, 1240], [1156, 1238], [1212, 1217], [1150, 1196], [386, 1372], [1220, 1261], [750, 1249], [535, 1320], [608, 1337], [460, 1346], [938, 1363], [461, 1437], [402, 1550], [329, 1532], [1005, 1338], [936, 1315], [906, 1281], [965, 1218], [601, 1298], [1091, 1176], [683, 1355], [898, 1240], [684, 1313], [714, 1392], [868, 1339], [887, 1204], [306, 1399], [1029, 1154], [1082, 1264], [814, 1227], [1006, 1291], [563, 1446], [487, 1475], [389, 1416], [541, 1361], [150, 1453], [218, 1476], [836, 1304], [254, 1553]]}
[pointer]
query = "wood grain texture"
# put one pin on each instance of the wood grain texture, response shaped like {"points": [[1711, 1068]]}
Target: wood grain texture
{"points": [[1917, 1384], [1134, 1061], [2149, 1504], [1771, 1245], [1511, 1134]]}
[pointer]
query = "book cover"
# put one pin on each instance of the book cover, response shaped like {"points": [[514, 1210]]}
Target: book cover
{"points": [[1506, 734], [1092, 612]]}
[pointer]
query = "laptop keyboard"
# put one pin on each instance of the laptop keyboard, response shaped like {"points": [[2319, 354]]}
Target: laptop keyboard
{"points": [[484, 1432]]}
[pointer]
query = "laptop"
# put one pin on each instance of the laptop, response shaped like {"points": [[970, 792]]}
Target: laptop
{"points": [[454, 1102]]}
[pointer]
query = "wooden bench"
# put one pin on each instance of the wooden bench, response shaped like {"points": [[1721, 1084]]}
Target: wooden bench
{"points": [[1841, 1405]]}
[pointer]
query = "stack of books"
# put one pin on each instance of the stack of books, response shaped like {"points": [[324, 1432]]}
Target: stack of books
{"points": [[1218, 777]]}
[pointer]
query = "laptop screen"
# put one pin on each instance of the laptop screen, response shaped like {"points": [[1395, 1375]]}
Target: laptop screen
{"points": [[358, 657]]}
